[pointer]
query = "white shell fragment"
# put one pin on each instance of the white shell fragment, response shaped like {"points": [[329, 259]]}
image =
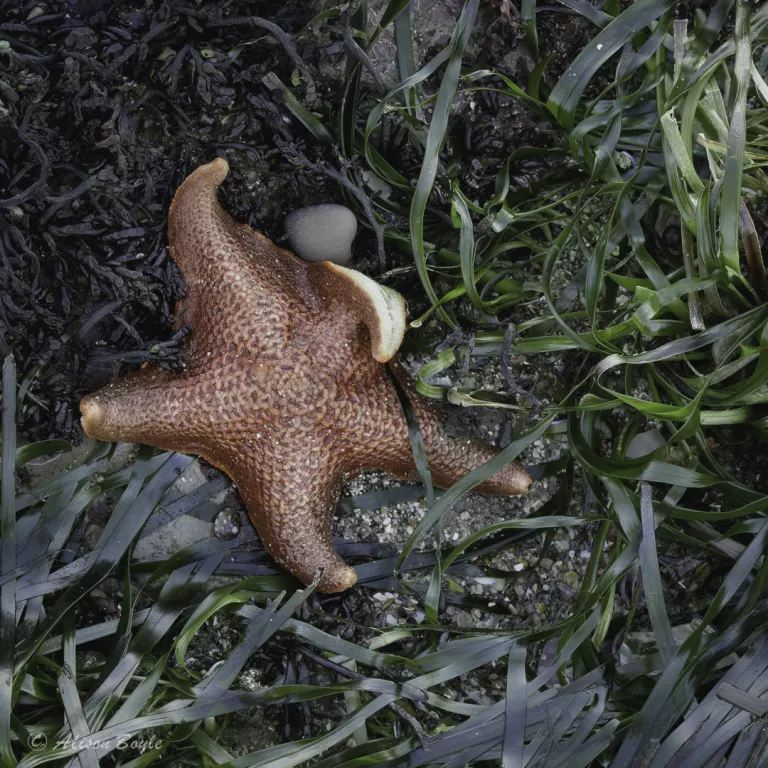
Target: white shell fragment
{"points": [[322, 233]]}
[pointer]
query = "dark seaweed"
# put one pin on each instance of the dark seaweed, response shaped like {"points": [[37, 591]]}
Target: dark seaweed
{"points": [[104, 108]]}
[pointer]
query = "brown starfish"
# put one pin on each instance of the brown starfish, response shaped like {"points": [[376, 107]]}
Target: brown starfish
{"points": [[285, 389]]}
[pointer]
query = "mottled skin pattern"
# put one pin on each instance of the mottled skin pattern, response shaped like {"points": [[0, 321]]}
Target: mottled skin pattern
{"points": [[281, 390]]}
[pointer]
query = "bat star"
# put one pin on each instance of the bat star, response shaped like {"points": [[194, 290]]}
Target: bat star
{"points": [[287, 389]]}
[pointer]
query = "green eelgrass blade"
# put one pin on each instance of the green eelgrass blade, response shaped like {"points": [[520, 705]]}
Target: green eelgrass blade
{"points": [[737, 136], [566, 96], [406, 64], [528, 15], [70, 698], [300, 112], [652, 586], [515, 711], [351, 93], [419, 451], [435, 138], [34, 450]]}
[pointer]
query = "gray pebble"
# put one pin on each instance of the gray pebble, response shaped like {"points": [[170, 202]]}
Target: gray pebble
{"points": [[227, 524], [322, 233]]}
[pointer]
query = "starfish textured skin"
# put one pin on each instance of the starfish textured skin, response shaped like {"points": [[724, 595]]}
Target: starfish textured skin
{"points": [[286, 387]]}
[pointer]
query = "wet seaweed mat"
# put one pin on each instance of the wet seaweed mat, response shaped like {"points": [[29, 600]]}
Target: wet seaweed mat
{"points": [[610, 270]]}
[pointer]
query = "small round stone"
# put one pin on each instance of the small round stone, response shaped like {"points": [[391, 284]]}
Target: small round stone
{"points": [[227, 524], [322, 233]]}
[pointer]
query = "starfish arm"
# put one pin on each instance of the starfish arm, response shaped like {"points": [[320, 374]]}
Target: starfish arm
{"points": [[451, 458], [146, 406], [245, 295], [385, 444], [379, 308], [291, 497]]}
